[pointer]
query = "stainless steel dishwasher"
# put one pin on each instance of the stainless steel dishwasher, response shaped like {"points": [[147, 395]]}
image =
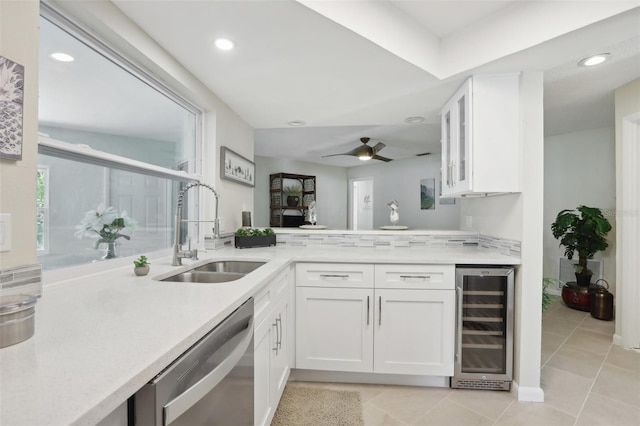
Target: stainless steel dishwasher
{"points": [[210, 384]]}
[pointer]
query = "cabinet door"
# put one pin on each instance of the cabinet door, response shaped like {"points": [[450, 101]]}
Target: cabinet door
{"points": [[334, 329], [280, 351], [263, 345], [414, 332], [461, 169]]}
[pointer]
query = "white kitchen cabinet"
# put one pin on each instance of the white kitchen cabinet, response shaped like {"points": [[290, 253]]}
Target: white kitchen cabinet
{"points": [[271, 347], [414, 332], [402, 323], [481, 137], [334, 328]]}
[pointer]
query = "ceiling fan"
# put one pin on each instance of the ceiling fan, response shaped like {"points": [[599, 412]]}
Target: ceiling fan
{"points": [[365, 152]]}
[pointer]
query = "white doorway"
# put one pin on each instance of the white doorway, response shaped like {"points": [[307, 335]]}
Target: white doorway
{"points": [[628, 229], [361, 203]]}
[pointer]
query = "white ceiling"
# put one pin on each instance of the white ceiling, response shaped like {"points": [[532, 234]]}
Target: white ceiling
{"points": [[358, 68]]}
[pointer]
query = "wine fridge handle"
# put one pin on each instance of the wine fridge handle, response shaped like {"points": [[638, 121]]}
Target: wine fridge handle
{"points": [[458, 324]]}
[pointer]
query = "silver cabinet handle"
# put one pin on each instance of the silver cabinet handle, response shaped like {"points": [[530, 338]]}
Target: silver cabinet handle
{"points": [[275, 324], [279, 322], [334, 276], [379, 310], [408, 277], [453, 174], [368, 310]]}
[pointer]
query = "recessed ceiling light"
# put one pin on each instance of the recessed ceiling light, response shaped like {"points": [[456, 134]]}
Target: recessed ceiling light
{"points": [[594, 60], [296, 123], [62, 57], [415, 119], [224, 44]]}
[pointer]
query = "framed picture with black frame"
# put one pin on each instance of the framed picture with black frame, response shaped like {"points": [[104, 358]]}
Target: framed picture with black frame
{"points": [[236, 168]]}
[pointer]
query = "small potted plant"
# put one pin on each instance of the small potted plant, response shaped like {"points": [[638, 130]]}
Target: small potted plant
{"points": [[583, 230], [141, 266], [293, 195]]}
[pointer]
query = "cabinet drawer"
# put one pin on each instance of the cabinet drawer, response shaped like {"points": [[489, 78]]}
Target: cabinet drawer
{"points": [[334, 275], [441, 277]]}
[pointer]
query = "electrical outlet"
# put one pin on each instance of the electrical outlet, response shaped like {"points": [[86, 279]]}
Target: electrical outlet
{"points": [[5, 232]]}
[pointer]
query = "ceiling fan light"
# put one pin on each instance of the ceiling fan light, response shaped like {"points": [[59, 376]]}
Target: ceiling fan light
{"points": [[364, 157]]}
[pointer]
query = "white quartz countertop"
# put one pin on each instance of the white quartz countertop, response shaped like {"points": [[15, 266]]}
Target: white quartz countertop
{"points": [[101, 337]]}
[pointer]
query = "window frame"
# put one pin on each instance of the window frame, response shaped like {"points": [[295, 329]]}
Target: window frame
{"points": [[44, 210], [65, 150]]}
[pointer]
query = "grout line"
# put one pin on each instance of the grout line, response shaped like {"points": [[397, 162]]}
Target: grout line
{"points": [[594, 382]]}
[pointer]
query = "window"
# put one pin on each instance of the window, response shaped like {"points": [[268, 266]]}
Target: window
{"points": [[114, 143], [42, 206]]}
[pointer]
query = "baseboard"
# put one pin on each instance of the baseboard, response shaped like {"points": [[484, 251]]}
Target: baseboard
{"points": [[527, 394], [299, 375], [617, 340]]}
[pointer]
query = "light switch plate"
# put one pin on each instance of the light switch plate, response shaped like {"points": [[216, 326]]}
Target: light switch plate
{"points": [[5, 232]]}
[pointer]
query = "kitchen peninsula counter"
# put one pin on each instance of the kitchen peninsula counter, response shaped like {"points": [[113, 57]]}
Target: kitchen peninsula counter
{"points": [[102, 336]]}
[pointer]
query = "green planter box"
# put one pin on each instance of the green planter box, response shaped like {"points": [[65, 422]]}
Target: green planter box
{"points": [[258, 241]]}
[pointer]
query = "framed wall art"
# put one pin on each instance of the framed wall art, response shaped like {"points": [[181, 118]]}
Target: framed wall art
{"points": [[11, 107], [236, 168], [427, 194]]}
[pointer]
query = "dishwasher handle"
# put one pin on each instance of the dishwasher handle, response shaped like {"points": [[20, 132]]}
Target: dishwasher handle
{"points": [[180, 404]]}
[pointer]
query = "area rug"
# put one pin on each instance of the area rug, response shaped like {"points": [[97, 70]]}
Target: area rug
{"points": [[316, 406]]}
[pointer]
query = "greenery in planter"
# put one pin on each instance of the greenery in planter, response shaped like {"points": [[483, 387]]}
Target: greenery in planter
{"points": [[583, 230], [253, 232], [546, 297], [292, 191], [141, 262]]}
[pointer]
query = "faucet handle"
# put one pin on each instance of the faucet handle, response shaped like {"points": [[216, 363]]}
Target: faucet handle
{"points": [[193, 254]]}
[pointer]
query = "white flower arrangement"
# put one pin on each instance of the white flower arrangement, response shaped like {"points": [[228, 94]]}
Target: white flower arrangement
{"points": [[104, 224]]}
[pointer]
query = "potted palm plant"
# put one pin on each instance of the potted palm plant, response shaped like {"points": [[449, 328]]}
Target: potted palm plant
{"points": [[584, 231]]}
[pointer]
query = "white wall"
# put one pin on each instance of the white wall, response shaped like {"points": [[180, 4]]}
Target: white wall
{"points": [[400, 180], [19, 35], [579, 169], [331, 190], [627, 101]]}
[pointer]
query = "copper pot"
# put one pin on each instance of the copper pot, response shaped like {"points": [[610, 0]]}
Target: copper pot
{"points": [[602, 302]]}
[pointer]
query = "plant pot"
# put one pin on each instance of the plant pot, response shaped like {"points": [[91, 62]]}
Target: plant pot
{"points": [[293, 200], [255, 241], [577, 297], [583, 280], [141, 270]]}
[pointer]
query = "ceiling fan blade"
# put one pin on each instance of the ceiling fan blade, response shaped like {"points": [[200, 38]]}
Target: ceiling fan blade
{"points": [[385, 159], [378, 147], [334, 155]]}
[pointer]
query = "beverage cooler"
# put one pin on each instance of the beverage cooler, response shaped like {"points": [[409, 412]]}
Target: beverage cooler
{"points": [[484, 328]]}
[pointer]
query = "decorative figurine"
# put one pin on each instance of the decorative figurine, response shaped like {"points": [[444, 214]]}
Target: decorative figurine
{"points": [[394, 216], [312, 216]]}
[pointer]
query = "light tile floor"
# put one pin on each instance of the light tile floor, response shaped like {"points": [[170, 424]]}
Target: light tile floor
{"points": [[586, 379]]}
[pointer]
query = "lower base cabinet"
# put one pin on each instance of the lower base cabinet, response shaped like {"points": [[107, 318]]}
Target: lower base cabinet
{"points": [[271, 360], [378, 330]]}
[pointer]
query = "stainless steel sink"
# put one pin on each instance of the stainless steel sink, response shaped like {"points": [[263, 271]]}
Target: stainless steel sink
{"points": [[231, 266], [214, 272]]}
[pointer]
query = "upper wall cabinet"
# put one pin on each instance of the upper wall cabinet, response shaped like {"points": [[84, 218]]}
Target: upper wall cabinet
{"points": [[481, 137]]}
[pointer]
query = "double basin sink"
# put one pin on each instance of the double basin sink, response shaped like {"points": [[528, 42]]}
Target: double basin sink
{"points": [[213, 272]]}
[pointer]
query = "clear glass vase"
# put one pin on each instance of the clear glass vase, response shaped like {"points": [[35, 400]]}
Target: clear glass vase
{"points": [[111, 252]]}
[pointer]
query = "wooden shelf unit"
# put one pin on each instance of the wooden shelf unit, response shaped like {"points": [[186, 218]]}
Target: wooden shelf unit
{"points": [[278, 200]]}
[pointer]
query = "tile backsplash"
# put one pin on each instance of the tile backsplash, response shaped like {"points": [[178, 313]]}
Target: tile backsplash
{"points": [[26, 279], [318, 239]]}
